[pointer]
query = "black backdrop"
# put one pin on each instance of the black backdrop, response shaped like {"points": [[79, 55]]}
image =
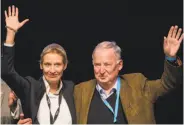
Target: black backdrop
{"points": [[137, 26]]}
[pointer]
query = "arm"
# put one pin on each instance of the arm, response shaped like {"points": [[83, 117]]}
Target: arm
{"points": [[12, 103], [15, 113], [15, 105], [172, 75], [8, 73]]}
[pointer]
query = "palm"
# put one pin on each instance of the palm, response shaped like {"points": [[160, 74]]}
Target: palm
{"points": [[172, 42], [13, 22], [12, 18]]}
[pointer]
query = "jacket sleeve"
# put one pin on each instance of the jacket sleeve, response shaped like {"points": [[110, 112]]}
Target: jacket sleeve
{"points": [[171, 78], [17, 83]]}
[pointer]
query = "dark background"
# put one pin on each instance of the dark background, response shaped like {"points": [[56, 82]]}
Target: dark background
{"points": [[137, 26]]}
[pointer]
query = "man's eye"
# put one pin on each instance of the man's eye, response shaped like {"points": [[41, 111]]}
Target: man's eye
{"points": [[106, 64], [97, 64]]}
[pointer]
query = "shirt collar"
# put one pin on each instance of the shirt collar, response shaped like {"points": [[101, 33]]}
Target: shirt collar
{"points": [[101, 90], [47, 86]]}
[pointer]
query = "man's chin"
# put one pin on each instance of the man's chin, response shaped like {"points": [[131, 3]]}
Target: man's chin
{"points": [[103, 80]]}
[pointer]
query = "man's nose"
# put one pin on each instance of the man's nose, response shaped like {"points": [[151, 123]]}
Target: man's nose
{"points": [[102, 70]]}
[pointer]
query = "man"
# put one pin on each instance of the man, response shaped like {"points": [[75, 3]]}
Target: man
{"points": [[14, 105], [6, 117], [126, 99], [16, 109], [48, 100]]}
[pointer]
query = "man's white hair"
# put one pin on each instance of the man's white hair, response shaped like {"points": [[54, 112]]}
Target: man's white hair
{"points": [[109, 45]]}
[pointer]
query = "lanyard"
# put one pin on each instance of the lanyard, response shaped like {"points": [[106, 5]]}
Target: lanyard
{"points": [[117, 101], [52, 120]]}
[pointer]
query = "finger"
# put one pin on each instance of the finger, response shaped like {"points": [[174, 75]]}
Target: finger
{"points": [[170, 31], [27, 120], [29, 123], [21, 116], [181, 38], [23, 22], [21, 122], [11, 94], [5, 13], [14, 94], [9, 10], [10, 102], [16, 12], [10, 99], [179, 33], [13, 10], [14, 98], [175, 31]]}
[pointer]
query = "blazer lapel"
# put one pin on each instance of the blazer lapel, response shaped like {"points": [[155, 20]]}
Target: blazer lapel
{"points": [[125, 96], [39, 94], [70, 101], [87, 94]]}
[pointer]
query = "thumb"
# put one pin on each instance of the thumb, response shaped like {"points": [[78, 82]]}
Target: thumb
{"points": [[21, 116], [165, 40], [23, 22]]}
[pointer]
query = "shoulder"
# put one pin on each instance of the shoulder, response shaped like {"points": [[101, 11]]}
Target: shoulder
{"points": [[68, 84], [32, 80], [86, 83], [133, 76], [134, 79], [68, 81]]}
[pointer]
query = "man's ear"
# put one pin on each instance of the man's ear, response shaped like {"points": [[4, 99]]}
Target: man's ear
{"points": [[120, 65]]}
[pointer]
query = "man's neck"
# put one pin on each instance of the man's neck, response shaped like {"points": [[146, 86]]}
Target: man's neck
{"points": [[107, 87]]}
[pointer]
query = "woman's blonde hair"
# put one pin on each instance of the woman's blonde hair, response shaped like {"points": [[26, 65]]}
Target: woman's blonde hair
{"points": [[54, 48]]}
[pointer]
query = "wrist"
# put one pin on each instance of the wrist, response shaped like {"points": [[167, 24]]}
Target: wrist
{"points": [[10, 36], [170, 58], [9, 40], [11, 29]]}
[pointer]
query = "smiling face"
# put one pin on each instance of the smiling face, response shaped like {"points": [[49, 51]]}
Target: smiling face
{"points": [[52, 67], [53, 62], [106, 66]]}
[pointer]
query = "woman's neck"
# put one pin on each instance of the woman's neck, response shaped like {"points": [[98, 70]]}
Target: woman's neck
{"points": [[54, 87]]}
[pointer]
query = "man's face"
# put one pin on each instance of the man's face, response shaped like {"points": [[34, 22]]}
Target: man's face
{"points": [[106, 66], [52, 67]]}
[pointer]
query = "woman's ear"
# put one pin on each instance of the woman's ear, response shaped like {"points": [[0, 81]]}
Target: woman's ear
{"points": [[65, 67], [41, 67]]}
